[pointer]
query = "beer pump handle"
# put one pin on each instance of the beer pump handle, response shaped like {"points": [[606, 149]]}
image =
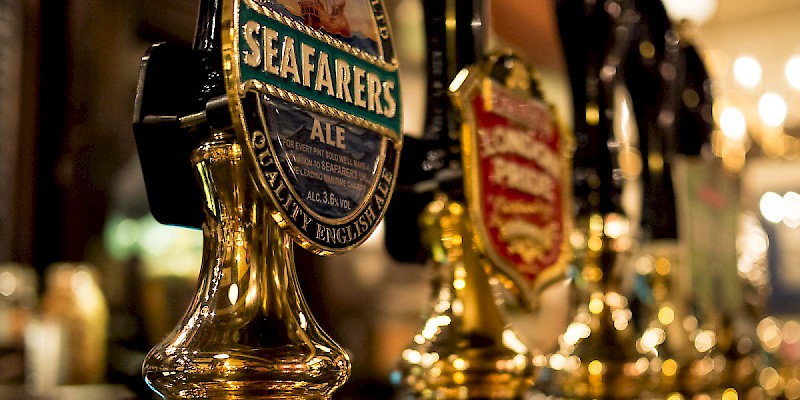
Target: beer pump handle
{"points": [[455, 36], [167, 131]]}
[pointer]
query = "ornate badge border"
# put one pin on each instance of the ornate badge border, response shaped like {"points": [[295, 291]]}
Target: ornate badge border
{"points": [[248, 90], [477, 82]]}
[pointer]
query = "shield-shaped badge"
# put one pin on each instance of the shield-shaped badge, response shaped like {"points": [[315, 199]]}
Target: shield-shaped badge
{"points": [[517, 169], [315, 99]]}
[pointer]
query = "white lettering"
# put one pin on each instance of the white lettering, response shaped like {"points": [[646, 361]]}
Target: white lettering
{"points": [[324, 78], [358, 87], [306, 52], [289, 60], [270, 52], [253, 56]]}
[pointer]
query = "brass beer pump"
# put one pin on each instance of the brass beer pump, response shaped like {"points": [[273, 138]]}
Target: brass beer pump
{"points": [[248, 331], [597, 356], [684, 359], [493, 166], [695, 352], [218, 135], [467, 347], [646, 95]]}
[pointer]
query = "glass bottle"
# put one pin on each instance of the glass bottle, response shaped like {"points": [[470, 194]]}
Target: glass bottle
{"points": [[66, 343], [18, 299], [248, 332]]}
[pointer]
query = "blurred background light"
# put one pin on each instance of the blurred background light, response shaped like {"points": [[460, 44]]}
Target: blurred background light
{"points": [[747, 71], [696, 11], [793, 71], [772, 109], [791, 204], [733, 123], [772, 207]]}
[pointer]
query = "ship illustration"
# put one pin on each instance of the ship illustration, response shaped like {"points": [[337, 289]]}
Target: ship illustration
{"points": [[327, 15]]}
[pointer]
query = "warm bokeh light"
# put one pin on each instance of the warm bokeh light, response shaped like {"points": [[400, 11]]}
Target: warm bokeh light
{"points": [[616, 300], [592, 114], [621, 318], [772, 109], [596, 223], [459, 273], [513, 341], [770, 335], [666, 315], [577, 240], [595, 243], [651, 338], [645, 265], [595, 367], [669, 367], [696, 11], [747, 71], [792, 390], [791, 204], [575, 332], [733, 123], [772, 207], [705, 341], [557, 361], [730, 394], [675, 396], [663, 266], [793, 71], [616, 226], [770, 379], [596, 304], [459, 378], [791, 332], [412, 356], [755, 243], [776, 208]]}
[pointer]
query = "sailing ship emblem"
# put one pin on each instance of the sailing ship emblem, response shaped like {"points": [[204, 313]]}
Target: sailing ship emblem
{"points": [[326, 15]]}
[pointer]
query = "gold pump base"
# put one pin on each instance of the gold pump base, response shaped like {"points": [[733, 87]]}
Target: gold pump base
{"points": [[248, 332], [466, 348]]}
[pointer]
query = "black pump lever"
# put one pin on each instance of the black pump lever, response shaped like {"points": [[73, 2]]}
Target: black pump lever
{"points": [[167, 131]]}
